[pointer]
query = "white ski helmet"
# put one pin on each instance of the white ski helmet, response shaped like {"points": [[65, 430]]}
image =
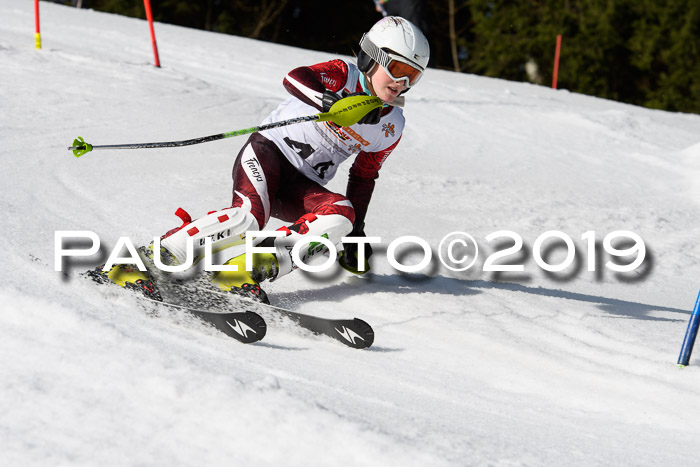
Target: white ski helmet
{"points": [[398, 46]]}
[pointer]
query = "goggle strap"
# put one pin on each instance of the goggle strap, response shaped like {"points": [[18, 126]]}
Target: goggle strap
{"points": [[373, 51]]}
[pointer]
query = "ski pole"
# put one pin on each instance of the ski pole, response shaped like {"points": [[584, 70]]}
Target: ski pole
{"points": [[380, 7], [344, 112], [690, 334]]}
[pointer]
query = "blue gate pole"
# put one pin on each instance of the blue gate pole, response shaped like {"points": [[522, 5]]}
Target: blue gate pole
{"points": [[690, 334]]}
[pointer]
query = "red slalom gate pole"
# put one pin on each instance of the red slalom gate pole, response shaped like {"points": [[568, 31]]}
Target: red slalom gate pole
{"points": [[556, 62], [37, 34], [149, 16]]}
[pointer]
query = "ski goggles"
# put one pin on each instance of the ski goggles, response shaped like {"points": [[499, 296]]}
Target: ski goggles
{"points": [[397, 67]]}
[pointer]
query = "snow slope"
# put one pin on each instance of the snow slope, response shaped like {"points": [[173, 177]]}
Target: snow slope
{"points": [[468, 368]]}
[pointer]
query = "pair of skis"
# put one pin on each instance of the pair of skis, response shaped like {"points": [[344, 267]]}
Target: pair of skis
{"points": [[235, 318], [248, 326]]}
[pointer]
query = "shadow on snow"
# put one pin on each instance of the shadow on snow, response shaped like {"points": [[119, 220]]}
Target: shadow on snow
{"points": [[405, 284]]}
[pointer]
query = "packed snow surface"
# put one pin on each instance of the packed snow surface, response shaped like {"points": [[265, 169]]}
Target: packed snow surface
{"points": [[575, 367]]}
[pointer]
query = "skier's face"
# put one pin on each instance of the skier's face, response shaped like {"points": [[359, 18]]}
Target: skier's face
{"points": [[384, 86]]}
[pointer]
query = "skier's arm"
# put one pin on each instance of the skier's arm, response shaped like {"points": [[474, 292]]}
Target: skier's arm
{"points": [[308, 83], [363, 173]]}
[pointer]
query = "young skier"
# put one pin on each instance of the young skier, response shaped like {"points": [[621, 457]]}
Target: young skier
{"points": [[281, 172]]}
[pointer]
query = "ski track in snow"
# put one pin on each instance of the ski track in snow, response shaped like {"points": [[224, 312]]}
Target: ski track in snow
{"points": [[469, 368]]}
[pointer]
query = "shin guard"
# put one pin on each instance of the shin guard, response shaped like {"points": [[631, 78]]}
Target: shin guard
{"points": [[226, 228], [331, 226]]}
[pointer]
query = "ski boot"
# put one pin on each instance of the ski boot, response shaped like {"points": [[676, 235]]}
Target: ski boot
{"points": [[129, 277], [166, 258], [272, 266], [247, 283]]}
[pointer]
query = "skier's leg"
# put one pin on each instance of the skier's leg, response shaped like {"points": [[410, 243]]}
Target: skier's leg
{"points": [[312, 211], [256, 174], [256, 178], [316, 212]]}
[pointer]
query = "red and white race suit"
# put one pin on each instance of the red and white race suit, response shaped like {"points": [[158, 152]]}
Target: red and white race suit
{"points": [[281, 172], [311, 152]]}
